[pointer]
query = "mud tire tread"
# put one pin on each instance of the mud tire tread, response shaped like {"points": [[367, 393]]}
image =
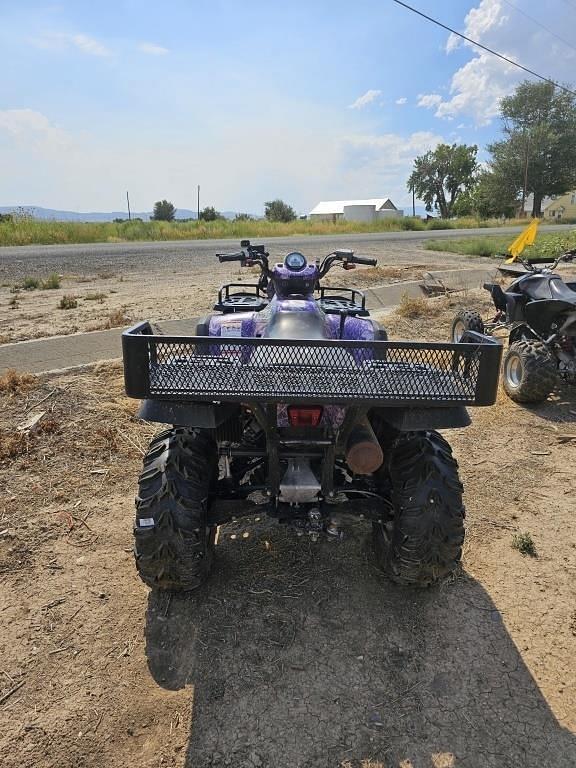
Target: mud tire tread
{"points": [[471, 320], [176, 552], [539, 372], [423, 542]]}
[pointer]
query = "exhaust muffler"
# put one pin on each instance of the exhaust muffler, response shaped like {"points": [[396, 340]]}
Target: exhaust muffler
{"points": [[363, 452]]}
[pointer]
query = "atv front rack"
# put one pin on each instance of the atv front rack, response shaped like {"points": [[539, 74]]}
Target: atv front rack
{"points": [[369, 373]]}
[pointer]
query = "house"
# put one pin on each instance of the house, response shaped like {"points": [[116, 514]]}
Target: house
{"points": [[561, 207], [355, 210]]}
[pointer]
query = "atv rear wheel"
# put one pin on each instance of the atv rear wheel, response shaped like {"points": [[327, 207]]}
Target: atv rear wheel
{"points": [[466, 320], [529, 372], [423, 541], [173, 544]]}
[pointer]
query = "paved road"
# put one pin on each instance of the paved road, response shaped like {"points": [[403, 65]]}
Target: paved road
{"points": [[66, 258]]}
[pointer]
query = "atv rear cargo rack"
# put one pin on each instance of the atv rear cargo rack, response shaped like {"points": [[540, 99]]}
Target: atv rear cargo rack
{"points": [[371, 373]]}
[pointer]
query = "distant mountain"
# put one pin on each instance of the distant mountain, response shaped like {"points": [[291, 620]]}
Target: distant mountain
{"points": [[51, 214]]}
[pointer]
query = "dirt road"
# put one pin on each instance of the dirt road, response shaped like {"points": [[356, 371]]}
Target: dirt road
{"points": [[296, 655]]}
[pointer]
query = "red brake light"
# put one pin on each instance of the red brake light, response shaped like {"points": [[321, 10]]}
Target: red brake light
{"points": [[305, 416]]}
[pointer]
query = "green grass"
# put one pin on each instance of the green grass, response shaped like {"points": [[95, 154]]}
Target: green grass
{"points": [[524, 543], [27, 231], [545, 245], [30, 283], [52, 281]]}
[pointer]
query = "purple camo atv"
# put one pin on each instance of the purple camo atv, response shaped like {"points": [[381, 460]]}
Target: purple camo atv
{"points": [[291, 402]]}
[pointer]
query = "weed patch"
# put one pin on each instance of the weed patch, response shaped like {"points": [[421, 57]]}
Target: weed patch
{"points": [[95, 297], [13, 382], [52, 282], [68, 302], [413, 307], [524, 543], [30, 283]]}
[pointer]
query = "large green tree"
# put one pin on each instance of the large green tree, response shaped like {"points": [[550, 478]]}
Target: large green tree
{"points": [[278, 210], [163, 211], [538, 152], [492, 196], [210, 214], [442, 175]]}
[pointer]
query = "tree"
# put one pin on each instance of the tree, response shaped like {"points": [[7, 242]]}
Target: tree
{"points": [[492, 196], [243, 217], [210, 214], [538, 152], [278, 210], [163, 211], [442, 175]]}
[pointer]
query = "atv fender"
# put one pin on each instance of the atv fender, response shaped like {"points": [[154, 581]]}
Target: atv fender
{"points": [[521, 332], [419, 419], [182, 414]]}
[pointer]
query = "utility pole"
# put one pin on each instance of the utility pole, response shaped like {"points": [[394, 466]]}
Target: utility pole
{"points": [[198, 201], [525, 187], [413, 202], [128, 201]]}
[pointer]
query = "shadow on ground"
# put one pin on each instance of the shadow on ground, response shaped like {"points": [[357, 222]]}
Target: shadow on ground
{"points": [[302, 655]]}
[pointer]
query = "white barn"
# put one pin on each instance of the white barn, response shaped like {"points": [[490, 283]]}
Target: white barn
{"points": [[355, 210]]}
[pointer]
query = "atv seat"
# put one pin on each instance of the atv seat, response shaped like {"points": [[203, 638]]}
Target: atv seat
{"points": [[548, 287]]}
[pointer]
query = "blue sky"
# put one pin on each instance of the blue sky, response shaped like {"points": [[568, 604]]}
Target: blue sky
{"points": [[253, 100]]}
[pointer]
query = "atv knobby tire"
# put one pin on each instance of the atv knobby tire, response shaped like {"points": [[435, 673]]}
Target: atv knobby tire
{"points": [[173, 544], [529, 371], [466, 320], [423, 541]]}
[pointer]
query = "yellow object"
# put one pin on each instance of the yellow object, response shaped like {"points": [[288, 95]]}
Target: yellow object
{"points": [[524, 238]]}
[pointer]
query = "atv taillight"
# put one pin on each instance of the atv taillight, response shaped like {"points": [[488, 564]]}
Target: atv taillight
{"points": [[305, 416]]}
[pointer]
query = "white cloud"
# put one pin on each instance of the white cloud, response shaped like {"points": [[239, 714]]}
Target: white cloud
{"points": [[478, 86], [365, 99], [61, 40], [429, 100], [33, 130], [402, 100], [152, 49], [377, 165]]}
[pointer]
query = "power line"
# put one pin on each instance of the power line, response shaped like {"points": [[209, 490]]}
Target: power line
{"points": [[485, 48], [570, 4], [535, 21]]}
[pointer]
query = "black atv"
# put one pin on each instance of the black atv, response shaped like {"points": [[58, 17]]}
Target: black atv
{"points": [[538, 309], [290, 402]]}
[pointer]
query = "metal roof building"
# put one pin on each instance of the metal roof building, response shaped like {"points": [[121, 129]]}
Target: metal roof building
{"points": [[355, 210]]}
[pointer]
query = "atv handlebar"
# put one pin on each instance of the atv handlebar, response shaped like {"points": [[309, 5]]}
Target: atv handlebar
{"points": [[568, 256], [362, 260], [231, 257]]}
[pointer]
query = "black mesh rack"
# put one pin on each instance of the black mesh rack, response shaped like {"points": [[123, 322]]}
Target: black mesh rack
{"points": [[375, 373]]}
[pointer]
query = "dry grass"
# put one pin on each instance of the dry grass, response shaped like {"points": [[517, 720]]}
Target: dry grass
{"points": [[96, 296], [4, 338], [412, 307], [116, 319], [68, 302], [13, 382], [13, 444]]}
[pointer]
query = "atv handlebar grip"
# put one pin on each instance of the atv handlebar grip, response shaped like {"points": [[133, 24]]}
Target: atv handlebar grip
{"points": [[362, 260], [230, 257]]}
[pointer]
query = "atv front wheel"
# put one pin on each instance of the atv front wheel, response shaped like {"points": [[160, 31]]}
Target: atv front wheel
{"points": [[466, 320], [423, 541], [173, 544], [529, 372]]}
